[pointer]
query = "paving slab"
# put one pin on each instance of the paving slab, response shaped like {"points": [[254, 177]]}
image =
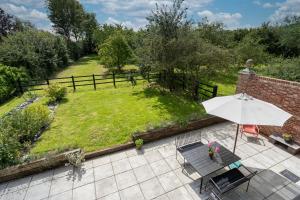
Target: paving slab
{"points": [[63, 196], [18, 184], [114, 196], [160, 167], [86, 192], [38, 192], [152, 188], [169, 181], [137, 161], [16, 195], [42, 177], [103, 171], [180, 194], [101, 161], [132, 193], [106, 186], [83, 177], [120, 166], [125, 180], [60, 185], [143, 173]]}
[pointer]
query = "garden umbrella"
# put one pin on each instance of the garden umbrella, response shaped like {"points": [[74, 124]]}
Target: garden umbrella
{"points": [[244, 109]]}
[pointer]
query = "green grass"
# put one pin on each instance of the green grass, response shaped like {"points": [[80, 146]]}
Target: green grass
{"points": [[9, 105], [97, 119], [87, 65], [94, 120]]}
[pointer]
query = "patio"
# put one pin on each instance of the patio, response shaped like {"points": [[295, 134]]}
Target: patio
{"points": [[154, 173]]}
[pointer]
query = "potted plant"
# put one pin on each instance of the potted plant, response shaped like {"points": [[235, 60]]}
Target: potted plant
{"points": [[287, 137], [212, 150], [139, 143]]}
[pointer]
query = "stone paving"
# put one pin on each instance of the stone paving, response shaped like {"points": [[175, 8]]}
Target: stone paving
{"points": [[154, 173]]}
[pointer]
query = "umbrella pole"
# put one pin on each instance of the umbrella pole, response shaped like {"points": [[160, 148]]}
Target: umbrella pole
{"points": [[236, 137]]}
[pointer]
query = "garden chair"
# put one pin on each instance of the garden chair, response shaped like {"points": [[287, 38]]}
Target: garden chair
{"points": [[186, 141], [228, 181], [250, 129]]}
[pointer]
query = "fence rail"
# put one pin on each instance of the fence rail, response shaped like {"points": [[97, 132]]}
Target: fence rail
{"points": [[198, 89]]}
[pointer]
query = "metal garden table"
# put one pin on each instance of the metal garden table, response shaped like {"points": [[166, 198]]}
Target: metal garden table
{"points": [[198, 158]]}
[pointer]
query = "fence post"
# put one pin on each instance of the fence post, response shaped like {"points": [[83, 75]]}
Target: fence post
{"points": [[47, 80], [215, 91], [94, 81], [114, 79], [20, 86], [74, 87]]}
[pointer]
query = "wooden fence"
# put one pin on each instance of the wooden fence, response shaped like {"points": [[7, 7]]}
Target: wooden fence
{"points": [[199, 90]]}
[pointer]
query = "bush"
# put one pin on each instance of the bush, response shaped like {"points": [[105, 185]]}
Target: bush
{"points": [[19, 129], [28, 122], [9, 147], [55, 93], [39, 52], [288, 69], [8, 79]]}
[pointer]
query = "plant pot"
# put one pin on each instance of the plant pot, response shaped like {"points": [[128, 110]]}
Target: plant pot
{"points": [[211, 155], [138, 147]]}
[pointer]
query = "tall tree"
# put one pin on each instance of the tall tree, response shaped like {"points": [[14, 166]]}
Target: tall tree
{"points": [[66, 17]]}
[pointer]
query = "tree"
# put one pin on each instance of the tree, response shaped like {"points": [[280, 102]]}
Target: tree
{"points": [[39, 52], [6, 23], [89, 25], [10, 24], [66, 17], [115, 51]]}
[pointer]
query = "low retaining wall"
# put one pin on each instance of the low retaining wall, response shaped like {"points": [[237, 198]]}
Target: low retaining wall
{"points": [[160, 133], [43, 164]]}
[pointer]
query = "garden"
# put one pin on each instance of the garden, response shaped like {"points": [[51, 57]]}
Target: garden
{"points": [[38, 121]]}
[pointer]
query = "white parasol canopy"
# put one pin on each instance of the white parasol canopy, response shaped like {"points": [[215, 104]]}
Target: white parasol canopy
{"points": [[244, 109]]}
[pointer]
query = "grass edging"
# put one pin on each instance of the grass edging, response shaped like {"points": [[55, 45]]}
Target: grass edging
{"points": [[43, 164]]}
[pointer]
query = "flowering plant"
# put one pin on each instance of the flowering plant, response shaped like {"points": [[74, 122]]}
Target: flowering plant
{"points": [[211, 149]]}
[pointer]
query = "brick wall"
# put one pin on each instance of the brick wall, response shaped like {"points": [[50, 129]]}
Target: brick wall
{"points": [[284, 94]]}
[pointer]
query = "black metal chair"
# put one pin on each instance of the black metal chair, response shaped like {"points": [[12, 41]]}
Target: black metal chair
{"points": [[187, 141], [229, 180]]}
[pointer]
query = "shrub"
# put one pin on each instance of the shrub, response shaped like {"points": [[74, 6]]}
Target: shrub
{"points": [[139, 143], [28, 122], [8, 79], [9, 147], [55, 93], [18, 130], [40, 52]]}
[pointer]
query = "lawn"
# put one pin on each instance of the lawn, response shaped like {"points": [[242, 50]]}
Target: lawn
{"points": [[94, 120], [9, 105]]}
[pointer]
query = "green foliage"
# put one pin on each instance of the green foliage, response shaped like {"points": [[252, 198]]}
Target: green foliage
{"points": [[139, 143], [19, 129], [72, 21], [8, 80], [75, 158], [250, 48], [9, 146], [39, 52], [55, 93], [288, 69], [115, 52]]}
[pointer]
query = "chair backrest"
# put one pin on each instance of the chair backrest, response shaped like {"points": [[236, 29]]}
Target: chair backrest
{"points": [[250, 129], [188, 138]]}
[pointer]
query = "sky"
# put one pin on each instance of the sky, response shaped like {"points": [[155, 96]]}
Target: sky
{"points": [[131, 13]]}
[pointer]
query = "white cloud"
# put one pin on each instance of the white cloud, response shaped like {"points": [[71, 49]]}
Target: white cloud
{"points": [[135, 23], [287, 8], [35, 16], [230, 20], [268, 5], [139, 8]]}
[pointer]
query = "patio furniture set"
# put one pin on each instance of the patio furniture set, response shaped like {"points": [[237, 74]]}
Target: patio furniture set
{"points": [[247, 112], [195, 153]]}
